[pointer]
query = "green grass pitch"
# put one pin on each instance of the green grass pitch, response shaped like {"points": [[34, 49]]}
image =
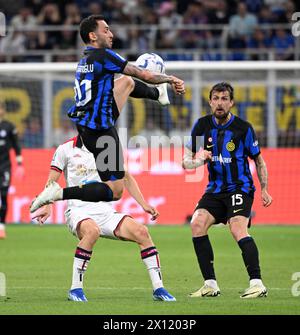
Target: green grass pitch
{"points": [[37, 263]]}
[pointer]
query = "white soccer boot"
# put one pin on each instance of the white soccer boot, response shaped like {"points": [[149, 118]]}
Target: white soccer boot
{"points": [[51, 193], [163, 98], [206, 291], [255, 291]]}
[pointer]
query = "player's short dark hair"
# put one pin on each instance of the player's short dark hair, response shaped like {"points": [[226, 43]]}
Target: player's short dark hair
{"points": [[88, 25], [222, 87]]}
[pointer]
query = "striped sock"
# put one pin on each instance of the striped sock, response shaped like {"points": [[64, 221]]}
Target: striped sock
{"points": [[80, 264], [151, 260]]}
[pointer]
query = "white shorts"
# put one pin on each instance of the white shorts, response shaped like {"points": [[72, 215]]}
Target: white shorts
{"points": [[107, 221]]}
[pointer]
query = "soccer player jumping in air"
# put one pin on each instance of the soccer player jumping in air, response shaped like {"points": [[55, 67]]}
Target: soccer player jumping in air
{"points": [[228, 142], [96, 109]]}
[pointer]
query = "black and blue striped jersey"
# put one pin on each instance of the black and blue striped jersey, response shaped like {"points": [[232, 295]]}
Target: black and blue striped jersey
{"points": [[231, 145], [94, 83]]}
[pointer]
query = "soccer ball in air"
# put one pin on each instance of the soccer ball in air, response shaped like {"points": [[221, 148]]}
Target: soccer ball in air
{"points": [[151, 62]]}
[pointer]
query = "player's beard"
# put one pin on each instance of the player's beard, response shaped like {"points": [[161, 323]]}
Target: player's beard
{"points": [[222, 116]]}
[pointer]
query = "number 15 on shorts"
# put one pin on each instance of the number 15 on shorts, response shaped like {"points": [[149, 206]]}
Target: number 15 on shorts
{"points": [[237, 199]]}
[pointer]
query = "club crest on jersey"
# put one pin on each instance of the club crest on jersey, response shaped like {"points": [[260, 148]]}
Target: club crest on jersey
{"points": [[230, 146], [81, 169]]}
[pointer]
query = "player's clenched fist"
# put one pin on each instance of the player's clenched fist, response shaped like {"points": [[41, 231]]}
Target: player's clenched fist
{"points": [[178, 85]]}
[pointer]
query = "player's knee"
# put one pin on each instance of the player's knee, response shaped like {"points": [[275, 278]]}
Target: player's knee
{"points": [[124, 84], [92, 232], [142, 233], [117, 193], [238, 231], [198, 225], [129, 82]]}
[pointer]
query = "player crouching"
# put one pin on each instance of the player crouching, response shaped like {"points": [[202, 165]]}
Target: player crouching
{"points": [[90, 220]]}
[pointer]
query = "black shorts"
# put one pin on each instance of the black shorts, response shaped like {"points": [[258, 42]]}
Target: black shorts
{"points": [[227, 205], [107, 150], [5, 178]]}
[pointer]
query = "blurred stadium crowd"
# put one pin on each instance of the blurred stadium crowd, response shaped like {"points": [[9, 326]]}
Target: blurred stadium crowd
{"points": [[181, 30], [43, 30]]}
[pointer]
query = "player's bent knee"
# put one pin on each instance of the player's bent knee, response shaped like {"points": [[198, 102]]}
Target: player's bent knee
{"points": [[198, 226], [93, 232], [88, 229], [117, 194], [129, 82], [141, 233], [144, 232]]}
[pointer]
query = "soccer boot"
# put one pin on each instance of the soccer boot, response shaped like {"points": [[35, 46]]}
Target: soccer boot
{"points": [[163, 98], [2, 231], [161, 294], [77, 295], [255, 291], [47, 196], [206, 291]]}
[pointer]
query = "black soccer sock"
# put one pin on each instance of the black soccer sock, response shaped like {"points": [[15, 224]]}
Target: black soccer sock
{"points": [[205, 256], [93, 192], [3, 206], [250, 256], [141, 90]]}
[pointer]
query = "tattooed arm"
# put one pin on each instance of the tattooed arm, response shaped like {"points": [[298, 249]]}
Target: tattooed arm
{"points": [[262, 173], [154, 77]]}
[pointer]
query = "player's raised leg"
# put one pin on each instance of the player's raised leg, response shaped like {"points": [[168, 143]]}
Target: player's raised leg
{"points": [[201, 221], [132, 231], [126, 86], [88, 232], [112, 186], [111, 173], [238, 227]]}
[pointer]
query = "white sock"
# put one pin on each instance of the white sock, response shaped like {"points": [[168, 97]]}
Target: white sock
{"points": [[2, 226], [80, 264], [212, 283], [254, 282], [151, 260]]}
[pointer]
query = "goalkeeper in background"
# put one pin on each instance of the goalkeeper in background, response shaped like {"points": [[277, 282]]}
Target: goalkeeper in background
{"points": [[228, 198], [8, 139]]}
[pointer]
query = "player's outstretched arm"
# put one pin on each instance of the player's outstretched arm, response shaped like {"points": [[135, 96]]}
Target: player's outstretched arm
{"points": [[134, 190], [154, 77], [262, 174], [191, 162], [44, 212]]}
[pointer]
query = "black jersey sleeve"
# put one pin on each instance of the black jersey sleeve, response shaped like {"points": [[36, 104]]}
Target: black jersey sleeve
{"points": [[15, 140]]}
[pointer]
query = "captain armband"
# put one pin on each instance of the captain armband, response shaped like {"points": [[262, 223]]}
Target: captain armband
{"points": [[192, 163]]}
